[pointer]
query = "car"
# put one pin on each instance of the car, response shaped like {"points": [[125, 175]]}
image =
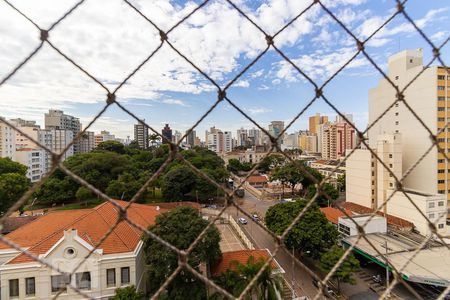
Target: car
{"points": [[243, 221], [328, 289], [255, 217]]}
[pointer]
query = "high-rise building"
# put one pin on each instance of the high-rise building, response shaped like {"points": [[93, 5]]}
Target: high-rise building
{"points": [[242, 137], [254, 135], [315, 121], [428, 96], [34, 160], [335, 139], [43, 136], [60, 140], [141, 135], [219, 141], [103, 136], [167, 134], [87, 142], [275, 129], [57, 120], [176, 136], [307, 142], [24, 123], [7, 141], [190, 138]]}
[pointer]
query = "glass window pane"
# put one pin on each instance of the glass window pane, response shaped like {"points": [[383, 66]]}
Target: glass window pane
{"points": [[83, 280], [125, 275], [14, 288], [111, 277], [58, 283], [30, 286]]}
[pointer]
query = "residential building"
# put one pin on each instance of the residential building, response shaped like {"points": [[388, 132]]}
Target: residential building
{"points": [[340, 119], [103, 136], [375, 224], [7, 141], [427, 96], [35, 161], [242, 137], [167, 134], [24, 123], [219, 141], [254, 137], [290, 141], [328, 141], [315, 121], [141, 135], [176, 137], [43, 136], [307, 142], [57, 120], [60, 140], [336, 138], [86, 142], [64, 239], [190, 138]]}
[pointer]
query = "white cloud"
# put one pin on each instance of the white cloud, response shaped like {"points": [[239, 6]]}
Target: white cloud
{"points": [[263, 87], [242, 83], [257, 74], [257, 110], [439, 36], [173, 102]]}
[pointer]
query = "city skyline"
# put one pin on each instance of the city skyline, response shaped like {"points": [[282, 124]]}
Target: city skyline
{"points": [[168, 90]]}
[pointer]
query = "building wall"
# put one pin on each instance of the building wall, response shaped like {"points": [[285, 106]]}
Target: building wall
{"points": [[60, 140], [359, 178], [375, 225], [141, 135], [7, 141], [34, 160], [400, 206]]}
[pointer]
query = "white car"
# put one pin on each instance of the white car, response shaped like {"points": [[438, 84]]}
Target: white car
{"points": [[243, 221]]}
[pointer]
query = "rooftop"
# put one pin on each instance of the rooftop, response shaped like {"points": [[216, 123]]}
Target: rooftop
{"points": [[257, 179], [91, 224], [333, 214]]}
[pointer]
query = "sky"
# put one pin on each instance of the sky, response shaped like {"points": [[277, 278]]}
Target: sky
{"points": [[109, 40]]}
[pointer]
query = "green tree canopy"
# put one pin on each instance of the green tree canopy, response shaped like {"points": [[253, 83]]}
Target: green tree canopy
{"points": [[9, 166], [311, 235], [345, 271], [128, 293], [113, 146], [12, 187], [180, 227], [322, 200], [235, 280], [83, 193], [177, 183]]}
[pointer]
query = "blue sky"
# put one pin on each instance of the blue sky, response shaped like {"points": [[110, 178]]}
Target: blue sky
{"points": [[109, 41]]}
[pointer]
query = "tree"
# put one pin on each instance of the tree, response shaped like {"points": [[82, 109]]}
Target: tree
{"points": [[55, 190], [288, 174], [126, 186], [177, 183], [345, 271], [12, 187], [270, 162], [113, 146], [323, 200], [9, 166], [128, 293], [311, 235], [180, 227], [341, 183], [235, 279], [153, 139], [83, 194]]}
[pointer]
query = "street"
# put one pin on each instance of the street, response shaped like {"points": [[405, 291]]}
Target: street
{"points": [[294, 275]]}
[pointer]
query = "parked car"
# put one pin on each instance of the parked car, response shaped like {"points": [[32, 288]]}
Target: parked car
{"points": [[376, 278], [328, 289], [243, 221], [255, 217]]}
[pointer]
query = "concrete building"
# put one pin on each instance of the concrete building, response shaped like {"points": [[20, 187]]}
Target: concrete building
{"points": [[167, 134], [25, 123], [427, 96], [141, 135], [190, 138], [275, 129], [242, 137], [315, 121], [7, 141], [64, 239], [87, 142], [336, 138], [176, 137], [35, 161], [103, 136], [60, 140], [290, 141], [347, 226], [57, 120], [254, 136], [307, 142], [219, 141], [43, 136]]}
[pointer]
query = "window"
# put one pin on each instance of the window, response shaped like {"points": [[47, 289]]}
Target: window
{"points": [[441, 203], [441, 171], [441, 98], [344, 229], [390, 184], [396, 77], [58, 283], [441, 77], [441, 191], [440, 226], [396, 122], [441, 140], [390, 165], [441, 87], [83, 280], [30, 286], [431, 205], [431, 216], [111, 277], [441, 181], [14, 288], [390, 155], [396, 113], [125, 275], [441, 108]]}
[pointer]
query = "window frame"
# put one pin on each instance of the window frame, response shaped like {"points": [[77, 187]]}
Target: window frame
{"points": [[27, 292], [16, 288], [62, 285], [122, 282], [108, 284], [81, 278]]}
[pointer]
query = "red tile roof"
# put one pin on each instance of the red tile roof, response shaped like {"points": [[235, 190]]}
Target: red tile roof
{"points": [[257, 179], [91, 224], [229, 259], [12, 223], [391, 220], [333, 214]]}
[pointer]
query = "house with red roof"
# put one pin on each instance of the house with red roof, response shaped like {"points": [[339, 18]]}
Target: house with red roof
{"points": [[64, 239]]}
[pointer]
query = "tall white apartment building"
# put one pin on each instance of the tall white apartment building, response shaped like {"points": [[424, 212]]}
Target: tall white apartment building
{"points": [[86, 142], [35, 161], [219, 141], [43, 136], [60, 140], [254, 136], [7, 141], [242, 137], [428, 96], [57, 120]]}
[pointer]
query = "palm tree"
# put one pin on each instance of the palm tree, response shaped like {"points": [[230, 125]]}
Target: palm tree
{"points": [[234, 280]]}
